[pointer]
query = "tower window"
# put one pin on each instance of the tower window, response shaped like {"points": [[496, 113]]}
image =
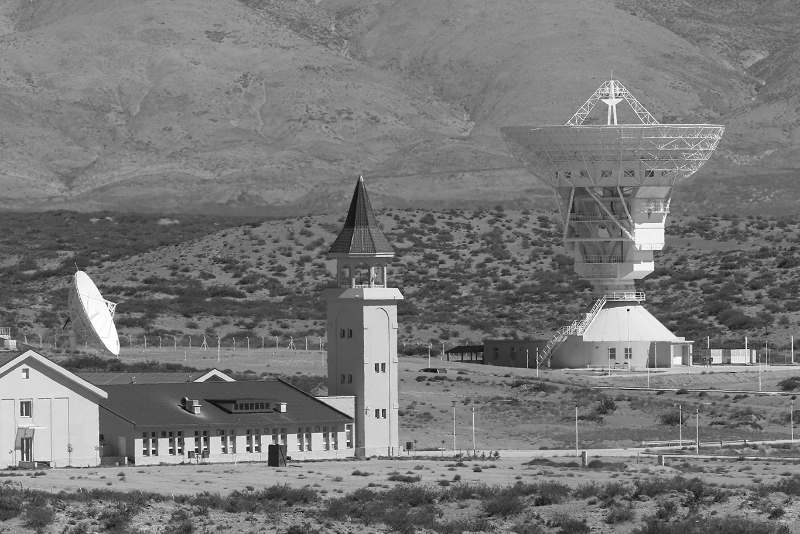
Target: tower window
{"points": [[342, 379], [341, 332], [606, 174], [383, 368], [628, 353], [349, 332], [383, 414], [26, 373], [649, 173], [630, 174], [377, 413], [349, 379], [612, 353], [377, 368], [25, 408]]}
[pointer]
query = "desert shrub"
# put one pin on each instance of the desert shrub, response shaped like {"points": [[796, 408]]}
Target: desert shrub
{"points": [[411, 494], [180, 522], [305, 528], [790, 384], [531, 528], [605, 406], [619, 514], [117, 517], [682, 391], [589, 489], [405, 478], [711, 525], [550, 492], [38, 517], [464, 490], [671, 418], [359, 473], [477, 469], [503, 505], [572, 525], [291, 496], [10, 503]]}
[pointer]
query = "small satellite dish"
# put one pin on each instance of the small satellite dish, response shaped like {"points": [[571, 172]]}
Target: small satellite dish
{"points": [[91, 315]]}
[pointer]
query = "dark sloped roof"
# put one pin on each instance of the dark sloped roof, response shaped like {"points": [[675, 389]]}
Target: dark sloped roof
{"points": [[361, 234], [100, 379], [6, 357], [159, 405]]}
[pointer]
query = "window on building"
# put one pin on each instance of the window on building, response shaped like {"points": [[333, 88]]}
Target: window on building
{"points": [[649, 173], [335, 438], [628, 352], [342, 379], [197, 448], [630, 174], [612, 353], [349, 379], [326, 439], [341, 332], [300, 439], [205, 441], [223, 441], [26, 373], [145, 444], [180, 442], [308, 438], [377, 413], [377, 368], [171, 443], [584, 175], [606, 174], [383, 368], [25, 408], [248, 441], [567, 175], [383, 414], [153, 444], [349, 332], [283, 437], [348, 436]]}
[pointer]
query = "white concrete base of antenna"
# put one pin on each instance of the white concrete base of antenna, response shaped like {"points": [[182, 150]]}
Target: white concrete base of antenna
{"points": [[613, 184]]}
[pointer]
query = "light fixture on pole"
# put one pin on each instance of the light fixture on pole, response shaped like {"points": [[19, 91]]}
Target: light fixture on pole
{"points": [[680, 426], [454, 427], [473, 431], [576, 429], [697, 432]]}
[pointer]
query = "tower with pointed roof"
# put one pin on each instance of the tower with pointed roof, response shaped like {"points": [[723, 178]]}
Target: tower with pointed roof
{"points": [[362, 328]]}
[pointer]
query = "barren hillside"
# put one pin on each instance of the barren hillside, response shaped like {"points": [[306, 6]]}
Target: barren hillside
{"points": [[272, 106]]}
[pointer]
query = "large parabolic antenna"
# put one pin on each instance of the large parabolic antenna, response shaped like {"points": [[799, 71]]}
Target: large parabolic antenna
{"points": [[613, 184], [91, 315]]}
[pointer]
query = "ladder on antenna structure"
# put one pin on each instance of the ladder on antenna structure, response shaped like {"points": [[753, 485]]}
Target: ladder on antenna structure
{"points": [[577, 328]]}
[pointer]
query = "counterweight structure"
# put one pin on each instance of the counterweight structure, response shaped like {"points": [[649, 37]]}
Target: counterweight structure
{"points": [[613, 184]]}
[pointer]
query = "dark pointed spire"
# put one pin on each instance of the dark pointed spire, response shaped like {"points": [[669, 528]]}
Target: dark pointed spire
{"points": [[361, 235]]}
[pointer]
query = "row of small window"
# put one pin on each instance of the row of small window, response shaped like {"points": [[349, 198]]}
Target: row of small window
{"points": [[175, 441], [246, 406], [254, 440], [612, 353], [628, 173], [345, 332], [380, 413]]}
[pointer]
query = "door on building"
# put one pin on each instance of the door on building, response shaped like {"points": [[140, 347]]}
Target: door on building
{"points": [[26, 451]]}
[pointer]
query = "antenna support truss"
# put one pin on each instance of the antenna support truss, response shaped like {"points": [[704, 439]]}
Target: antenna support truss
{"points": [[610, 90]]}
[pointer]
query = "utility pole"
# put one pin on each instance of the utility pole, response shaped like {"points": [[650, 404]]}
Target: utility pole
{"points": [[454, 427], [473, 431], [576, 429], [680, 426], [697, 432]]}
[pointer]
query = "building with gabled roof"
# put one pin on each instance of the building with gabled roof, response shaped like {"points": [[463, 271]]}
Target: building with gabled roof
{"points": [[219, 422], [48, 415]]}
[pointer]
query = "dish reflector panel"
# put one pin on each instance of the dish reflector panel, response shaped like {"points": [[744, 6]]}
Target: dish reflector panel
{"points": [[92, 316]]}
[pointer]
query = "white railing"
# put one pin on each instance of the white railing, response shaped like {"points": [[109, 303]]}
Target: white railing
{"points": [[597, 258], [653, 207], [361, 286], [617, 296], [577, 327], [590, 217]]}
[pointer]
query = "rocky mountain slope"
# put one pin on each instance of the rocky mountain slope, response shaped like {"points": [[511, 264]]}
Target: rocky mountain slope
{"points": [[272, 106]]}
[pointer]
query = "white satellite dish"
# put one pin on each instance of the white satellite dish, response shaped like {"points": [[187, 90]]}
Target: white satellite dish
{"points": [[91, 315]]}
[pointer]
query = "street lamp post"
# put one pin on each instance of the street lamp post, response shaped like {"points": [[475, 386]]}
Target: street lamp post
{"points": [[576, 429], [429, 353], [454, 427], [680, 426], [473, 431], [697, 432], [791, 418]]}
